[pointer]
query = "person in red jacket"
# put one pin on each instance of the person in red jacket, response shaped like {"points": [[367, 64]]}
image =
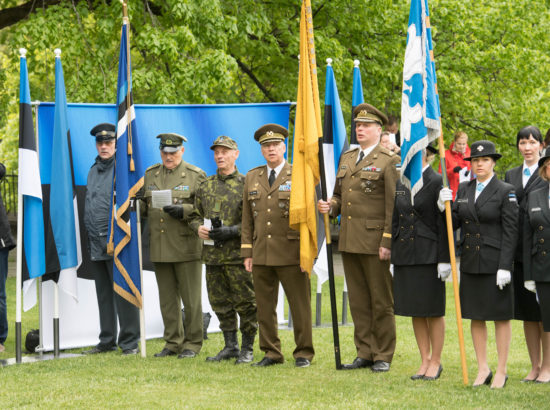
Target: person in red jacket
{"points": [[458, 170]]}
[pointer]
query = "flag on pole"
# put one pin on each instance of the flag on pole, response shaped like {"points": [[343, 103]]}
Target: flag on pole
{"points": [[63, 205], [128, 180], [356, 99], [305, 167], [334, 143], [420, 113], [29, 183]]}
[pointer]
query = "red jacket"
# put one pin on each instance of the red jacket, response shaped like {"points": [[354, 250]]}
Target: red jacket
{"points": [[455, 159]]}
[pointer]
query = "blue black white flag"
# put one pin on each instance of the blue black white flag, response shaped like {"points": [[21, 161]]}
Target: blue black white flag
{"points": [[128, 180], [63, 203], [420, 113], [356, 99], [29, 181]]}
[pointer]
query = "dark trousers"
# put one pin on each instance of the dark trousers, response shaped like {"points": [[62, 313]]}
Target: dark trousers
{"points": [[3, 307], [111, 305], [297, 290]]}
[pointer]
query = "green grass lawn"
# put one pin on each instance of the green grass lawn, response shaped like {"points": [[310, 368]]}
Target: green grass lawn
{"points": [[113, 381]]}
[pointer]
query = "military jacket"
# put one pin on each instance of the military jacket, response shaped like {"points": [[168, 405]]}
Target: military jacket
{"points": [[220, 196], [419, 235], [364, 196], [536, 233], [489, 226], [173, 240], [266, 236]]}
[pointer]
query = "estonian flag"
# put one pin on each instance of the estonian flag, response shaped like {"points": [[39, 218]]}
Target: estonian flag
{"points": [[356, 99], [128, 180], [420, 113], [63, 204]]}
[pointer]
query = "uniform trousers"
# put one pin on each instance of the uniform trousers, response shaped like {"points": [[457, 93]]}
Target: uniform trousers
{"points": [[3, 306], [231, 292], [177, 282], [111, 305], [371, 303], [297, 289]]}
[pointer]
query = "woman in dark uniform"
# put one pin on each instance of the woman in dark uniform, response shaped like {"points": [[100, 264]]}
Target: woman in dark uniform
{"points": [[486, 210], [525, 179], [420, 260], [536, 257]]}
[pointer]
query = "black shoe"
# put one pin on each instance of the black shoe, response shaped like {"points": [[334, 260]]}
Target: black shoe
{"points": [[266, 361], [129, 352], [380, 366], [165, 352], [487, 380], [436, 376], [417, 376], [187, 354], [230, 350], [503, 386], [302, 362], [358, 363], [98, 350]]}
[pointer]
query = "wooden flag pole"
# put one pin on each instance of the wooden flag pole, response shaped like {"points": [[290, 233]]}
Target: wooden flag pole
{"points": [[451, 240]]}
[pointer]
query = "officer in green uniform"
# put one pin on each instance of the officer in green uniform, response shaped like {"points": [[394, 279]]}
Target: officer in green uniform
{"points": [[230, 289], [174, 249]]}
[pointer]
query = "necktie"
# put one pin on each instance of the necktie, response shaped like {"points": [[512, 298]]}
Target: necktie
{"points": [[480, 187], [526, 172], [361, 156], [271, 177]]}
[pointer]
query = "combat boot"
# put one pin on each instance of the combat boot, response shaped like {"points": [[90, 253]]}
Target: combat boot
{"points": [[230, 350], [247, 349]]}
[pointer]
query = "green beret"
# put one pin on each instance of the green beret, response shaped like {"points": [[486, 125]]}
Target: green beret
{"points": [[224, 141], [270, 132], [367, 113], [171, 142], [103, 132]]}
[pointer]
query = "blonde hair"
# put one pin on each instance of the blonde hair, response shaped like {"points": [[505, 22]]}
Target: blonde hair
{"points": [[460, 134], [542, 170]]}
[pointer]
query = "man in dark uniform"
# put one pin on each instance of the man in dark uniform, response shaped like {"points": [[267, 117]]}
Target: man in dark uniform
{"points": [[219, 200], [174, 248], [96, 220], [364, 196], [272, 250]]}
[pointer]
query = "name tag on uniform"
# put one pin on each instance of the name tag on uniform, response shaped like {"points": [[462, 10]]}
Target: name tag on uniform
{"points": [[373, 169], [343, 167], [182, 188], [535, 209], [399, 192], [512, 197], [462, 201], [398, 166], [284, 187], [251, 193]]}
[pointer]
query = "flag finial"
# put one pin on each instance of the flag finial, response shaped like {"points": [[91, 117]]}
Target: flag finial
{"points": [[23, 52], [329, 61], [356, 63], [57, 53]]}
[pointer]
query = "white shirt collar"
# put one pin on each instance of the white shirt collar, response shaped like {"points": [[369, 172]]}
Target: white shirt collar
{"points": [[425, 168], [486, 182], [366, 151], [277, 169], [532, 168]]}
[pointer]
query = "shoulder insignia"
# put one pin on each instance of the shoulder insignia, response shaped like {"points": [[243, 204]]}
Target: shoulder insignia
{"points": [[194, 168], [349, 151], [153, 167], [256, 169]]}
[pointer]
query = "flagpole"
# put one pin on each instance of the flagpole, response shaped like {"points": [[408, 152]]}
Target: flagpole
{"points": [[452, 254], [142, 308], [19, 265]]}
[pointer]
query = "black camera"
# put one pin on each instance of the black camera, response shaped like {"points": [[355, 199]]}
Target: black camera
{"points": [[216, 222]]}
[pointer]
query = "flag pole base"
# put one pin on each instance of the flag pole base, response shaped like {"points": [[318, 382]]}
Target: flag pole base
{"points": [[56, 337], [18, 342], [39, 358]]}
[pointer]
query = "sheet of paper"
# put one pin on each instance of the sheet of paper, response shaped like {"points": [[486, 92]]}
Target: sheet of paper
{"points": [[208, 224], [161, 198]]}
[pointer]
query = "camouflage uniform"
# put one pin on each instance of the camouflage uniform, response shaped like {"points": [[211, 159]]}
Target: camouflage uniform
{"points": [[230, 288]]}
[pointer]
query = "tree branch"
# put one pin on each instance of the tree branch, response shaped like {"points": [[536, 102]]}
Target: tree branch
{"points": [[255, 79], [13, 15]]}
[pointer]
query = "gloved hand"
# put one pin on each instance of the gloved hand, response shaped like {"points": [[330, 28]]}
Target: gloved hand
{"points": [[530, 286], [444, 195], [175, 211], [503, 278], [457, 169], [466, 171], [224, 233], [391, 269], [443, 271]]}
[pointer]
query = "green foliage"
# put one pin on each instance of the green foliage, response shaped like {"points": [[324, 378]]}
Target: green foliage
{"points": [[491, 56]]}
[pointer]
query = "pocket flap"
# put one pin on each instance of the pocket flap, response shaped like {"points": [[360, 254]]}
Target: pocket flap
{"points": [[181, 194], [491, 242], [379, 225], [370, 176]]}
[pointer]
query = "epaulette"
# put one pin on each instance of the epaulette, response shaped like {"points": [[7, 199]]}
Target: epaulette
{"points": [[255, 169], [193, 168], [387, 151], [153, 167], [351, 150]]}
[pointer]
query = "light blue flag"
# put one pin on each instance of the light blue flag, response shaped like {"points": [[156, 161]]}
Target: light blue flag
{"points": [[356, 99], [63, 206], [420, 113]]}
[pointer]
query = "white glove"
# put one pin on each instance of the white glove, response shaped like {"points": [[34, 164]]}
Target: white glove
{"points": [[503, 278], [464, 175], [444, 195], [391, 269], [530, 286], [443, 271]]}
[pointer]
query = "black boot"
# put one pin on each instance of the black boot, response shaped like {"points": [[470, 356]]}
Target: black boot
{"points": [[247, 349], [230, 350]]}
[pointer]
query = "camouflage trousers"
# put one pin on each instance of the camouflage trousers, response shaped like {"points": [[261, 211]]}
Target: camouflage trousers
{"points": [[231, 292]]}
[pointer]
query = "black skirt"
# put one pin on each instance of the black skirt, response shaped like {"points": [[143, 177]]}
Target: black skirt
{"points": [[525, 302], [543, 293], [418, 292], [482, 299]]}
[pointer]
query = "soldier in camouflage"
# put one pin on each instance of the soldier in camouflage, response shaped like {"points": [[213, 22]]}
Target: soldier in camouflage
{"points": [[230, 288]]}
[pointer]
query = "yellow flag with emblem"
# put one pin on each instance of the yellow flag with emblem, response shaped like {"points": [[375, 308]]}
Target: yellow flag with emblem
{"points": [[305, 158]]}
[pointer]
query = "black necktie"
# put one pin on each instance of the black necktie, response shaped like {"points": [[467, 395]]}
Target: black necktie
{"points": [[361, 156], [272, 177]]}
